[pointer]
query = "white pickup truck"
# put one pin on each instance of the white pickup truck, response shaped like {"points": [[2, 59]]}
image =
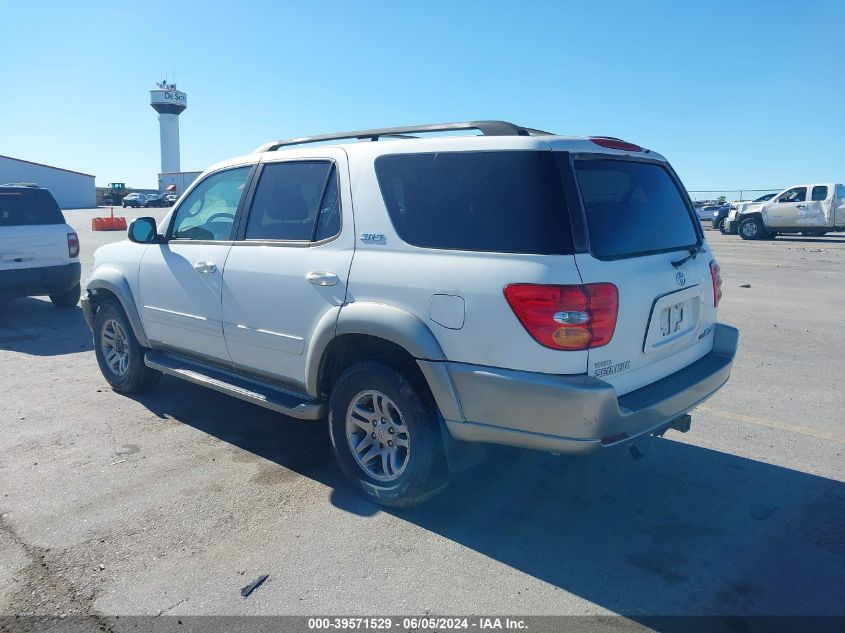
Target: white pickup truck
{"points": [[813, 209]]}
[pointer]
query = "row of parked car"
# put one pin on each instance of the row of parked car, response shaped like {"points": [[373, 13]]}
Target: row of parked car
{"points": [[136, 200], [716, 214], [808, 209]]}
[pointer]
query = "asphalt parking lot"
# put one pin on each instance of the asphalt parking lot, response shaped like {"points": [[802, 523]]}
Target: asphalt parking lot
{"points": [[172, 501]]}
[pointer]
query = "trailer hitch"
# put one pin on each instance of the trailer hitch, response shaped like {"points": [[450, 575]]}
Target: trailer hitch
{"points": [[682, 423]]}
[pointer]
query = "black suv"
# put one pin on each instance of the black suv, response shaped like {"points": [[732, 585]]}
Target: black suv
{"points": [[156, 200]]}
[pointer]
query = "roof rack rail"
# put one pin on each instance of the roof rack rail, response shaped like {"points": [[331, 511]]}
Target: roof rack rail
{"points": [[487, 128]]}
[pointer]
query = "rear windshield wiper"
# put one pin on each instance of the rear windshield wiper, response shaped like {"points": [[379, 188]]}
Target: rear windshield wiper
{"points": [[693, 251]]}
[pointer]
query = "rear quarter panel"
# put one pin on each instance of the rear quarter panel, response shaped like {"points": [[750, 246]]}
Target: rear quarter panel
{"points": [[395, 273]]}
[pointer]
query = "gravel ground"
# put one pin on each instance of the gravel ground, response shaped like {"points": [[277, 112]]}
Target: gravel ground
{"points": [[172, 501]]}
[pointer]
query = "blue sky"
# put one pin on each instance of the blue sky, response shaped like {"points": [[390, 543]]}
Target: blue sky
{"points": [[735, 94]]}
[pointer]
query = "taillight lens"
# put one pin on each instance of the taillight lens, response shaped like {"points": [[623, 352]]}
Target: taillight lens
{"points": [[716, 276], [615, 143], [566, 317], [72, 245]]}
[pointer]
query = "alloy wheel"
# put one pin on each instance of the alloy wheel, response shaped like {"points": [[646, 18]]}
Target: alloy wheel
{"points": [[377, 435], [115, 347]]}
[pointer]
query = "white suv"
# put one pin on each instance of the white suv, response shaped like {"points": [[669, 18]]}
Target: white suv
{"points": [[39, 251], [426, 295]]}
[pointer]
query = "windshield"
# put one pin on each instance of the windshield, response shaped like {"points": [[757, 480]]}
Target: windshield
{"points": [[632, 208], [26, 206]]}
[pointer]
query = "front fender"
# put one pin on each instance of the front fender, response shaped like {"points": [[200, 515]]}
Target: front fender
{"points": [[112, 280], [753, 214]]}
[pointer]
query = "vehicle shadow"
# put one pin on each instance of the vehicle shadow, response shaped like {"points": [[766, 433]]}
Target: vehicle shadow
{"points": [[683, 530], [826, 239], [35, 327]]}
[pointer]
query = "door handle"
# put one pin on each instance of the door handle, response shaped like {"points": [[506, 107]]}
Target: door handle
{"points": [[205, 267], [801, 206], [322, 278]]}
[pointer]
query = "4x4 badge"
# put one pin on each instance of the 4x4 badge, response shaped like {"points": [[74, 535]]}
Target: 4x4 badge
{"points": [[679, 277]]}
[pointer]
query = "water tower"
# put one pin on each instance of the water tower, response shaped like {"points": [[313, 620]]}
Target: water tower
{"points": [[169, 103]]}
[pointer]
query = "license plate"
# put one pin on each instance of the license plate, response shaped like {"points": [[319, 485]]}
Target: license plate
{"points": [[672, 319]]}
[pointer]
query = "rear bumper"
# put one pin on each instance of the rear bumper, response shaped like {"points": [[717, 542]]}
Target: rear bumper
{"points": [[28, 282], [579, 414]]}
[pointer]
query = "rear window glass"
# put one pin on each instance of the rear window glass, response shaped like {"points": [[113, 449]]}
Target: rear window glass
{"points": [[506, 201], [632, 208], [19, 207]]}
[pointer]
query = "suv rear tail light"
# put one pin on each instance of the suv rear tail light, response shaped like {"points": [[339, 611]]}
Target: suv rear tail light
{"points": [[716, 276], [566, 317], [615, 143], [72, 245]]}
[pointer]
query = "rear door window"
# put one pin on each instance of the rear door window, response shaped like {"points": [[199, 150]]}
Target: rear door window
{"points": [[819, 193], [328, 222], [26, 206], [292, 199], [632, 208], [503, 201]]}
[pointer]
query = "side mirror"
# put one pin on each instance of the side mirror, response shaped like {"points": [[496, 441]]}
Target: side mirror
{"points": [[143, 231]]}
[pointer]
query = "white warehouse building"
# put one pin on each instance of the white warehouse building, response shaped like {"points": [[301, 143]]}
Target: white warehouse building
{"points": [[176, 181], [71, 189]]}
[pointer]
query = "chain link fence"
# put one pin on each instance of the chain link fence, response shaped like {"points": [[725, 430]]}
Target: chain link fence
{"points": [[717, 196]]}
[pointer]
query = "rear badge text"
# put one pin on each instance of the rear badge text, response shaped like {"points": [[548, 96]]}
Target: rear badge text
{"points": [[606, 368]]}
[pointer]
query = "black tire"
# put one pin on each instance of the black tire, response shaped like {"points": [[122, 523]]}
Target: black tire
{"points": [[124, 205], [751, 229], [137, 376], [67, 299], [425, 472]]}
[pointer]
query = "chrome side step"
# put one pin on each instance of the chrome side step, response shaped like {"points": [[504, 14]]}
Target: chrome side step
{"points": [[264, 394]]}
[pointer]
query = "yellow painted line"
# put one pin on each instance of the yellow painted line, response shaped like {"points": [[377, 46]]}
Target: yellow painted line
{"points": [[774, 424]]}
